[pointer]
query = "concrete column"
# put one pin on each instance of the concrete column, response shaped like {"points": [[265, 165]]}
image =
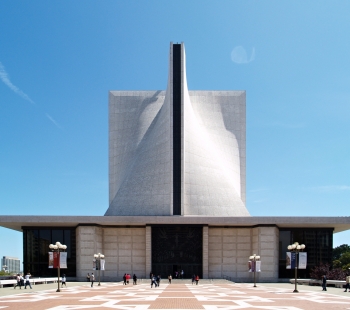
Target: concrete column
{"points": [[265, 243], [89, 240], [148, 250], [205, 252]]}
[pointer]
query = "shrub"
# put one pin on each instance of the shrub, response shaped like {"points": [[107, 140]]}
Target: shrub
{"points": [[324, 269]]}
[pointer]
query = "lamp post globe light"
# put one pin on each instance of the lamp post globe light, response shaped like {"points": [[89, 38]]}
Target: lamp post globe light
{"points": [[98, 258], [296, 248], [254, 258], [58, 247]]}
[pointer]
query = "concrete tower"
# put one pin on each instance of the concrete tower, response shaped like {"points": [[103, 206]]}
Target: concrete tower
{"points": [[177, 152]]}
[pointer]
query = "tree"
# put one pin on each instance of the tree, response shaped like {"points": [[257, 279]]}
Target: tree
{"points": [[341, 257], [340, 250]]}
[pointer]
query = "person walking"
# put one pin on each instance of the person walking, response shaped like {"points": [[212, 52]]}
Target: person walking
{"points": [[134, 279], [27, 281], [347, 285], [18, 279], [21, 279], [170, 278], [124, 279], [64, 281], [324, 283], [182, 274], [92, 279], [158, 280], [153, 281], [197, 279]]}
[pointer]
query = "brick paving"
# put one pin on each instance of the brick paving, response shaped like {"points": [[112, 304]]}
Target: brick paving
{"points": [[217, 295]]}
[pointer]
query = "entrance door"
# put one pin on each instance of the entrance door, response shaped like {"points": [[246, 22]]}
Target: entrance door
{"points": [[176, 248]]}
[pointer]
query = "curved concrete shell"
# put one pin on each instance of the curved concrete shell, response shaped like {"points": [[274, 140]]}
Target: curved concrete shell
{"points": [[177, 152]]}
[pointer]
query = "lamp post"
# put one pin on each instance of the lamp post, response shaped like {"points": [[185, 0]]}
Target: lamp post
{"points": [[296, 248], [254, 258], [58, 247], [4, 268], [98, 258]]}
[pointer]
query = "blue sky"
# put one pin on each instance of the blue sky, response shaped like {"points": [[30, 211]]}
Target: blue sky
{"points": [[59, 59]]}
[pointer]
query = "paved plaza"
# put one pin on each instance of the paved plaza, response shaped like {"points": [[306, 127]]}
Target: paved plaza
{"points": [[217, 295]]}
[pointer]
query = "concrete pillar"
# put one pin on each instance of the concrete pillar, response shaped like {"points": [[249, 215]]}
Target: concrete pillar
{"points": [[89, 241], [265, 242], [205, 252], [148, 250]]}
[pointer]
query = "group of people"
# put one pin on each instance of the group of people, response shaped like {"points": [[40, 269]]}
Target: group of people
{"points": [[324, 283], [23, 281], [155, 280], [181, 274], [195, 278], [126, 278]]}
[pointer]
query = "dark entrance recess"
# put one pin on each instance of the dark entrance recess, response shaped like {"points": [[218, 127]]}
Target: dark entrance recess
{"points": [[176, 248]]}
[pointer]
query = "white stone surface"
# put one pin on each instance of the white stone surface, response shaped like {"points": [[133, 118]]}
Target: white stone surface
{"points": [[213, 151], [124, 250], [229, 250]]}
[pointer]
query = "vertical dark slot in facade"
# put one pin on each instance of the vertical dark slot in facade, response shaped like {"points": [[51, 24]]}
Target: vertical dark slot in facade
{"points": [[177, 129]]}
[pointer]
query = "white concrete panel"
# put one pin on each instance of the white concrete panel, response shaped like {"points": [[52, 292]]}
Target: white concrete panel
{"points": [[212, 146]]}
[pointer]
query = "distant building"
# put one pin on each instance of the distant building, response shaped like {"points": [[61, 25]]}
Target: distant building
{"points": [[10, 264]]}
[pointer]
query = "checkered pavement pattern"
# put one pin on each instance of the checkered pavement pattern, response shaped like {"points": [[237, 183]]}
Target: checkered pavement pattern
{"points": [[208, 296]]}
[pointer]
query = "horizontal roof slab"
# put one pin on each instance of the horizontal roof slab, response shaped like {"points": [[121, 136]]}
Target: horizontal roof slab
{"points": [[17, 222]]}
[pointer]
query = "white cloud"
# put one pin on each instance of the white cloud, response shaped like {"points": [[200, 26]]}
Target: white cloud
{"points": [[5, 78], [239, 55], [52, 120]]}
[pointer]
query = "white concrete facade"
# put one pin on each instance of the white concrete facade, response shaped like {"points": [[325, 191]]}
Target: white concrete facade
{"points": [[124, 250], [225, 251], [213, 152]]}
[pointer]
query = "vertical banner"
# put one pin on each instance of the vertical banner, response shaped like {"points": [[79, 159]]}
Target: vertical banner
{"points": [[250, 266], [253, 266], [102, 264], [258, 266], [94, 264], [63, 260], [55, 259], [293, 262], [288, 260], [50, 260], [302, 260]]}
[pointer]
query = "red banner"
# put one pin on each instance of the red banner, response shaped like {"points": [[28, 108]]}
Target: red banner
{"points": [[55, 259]]}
